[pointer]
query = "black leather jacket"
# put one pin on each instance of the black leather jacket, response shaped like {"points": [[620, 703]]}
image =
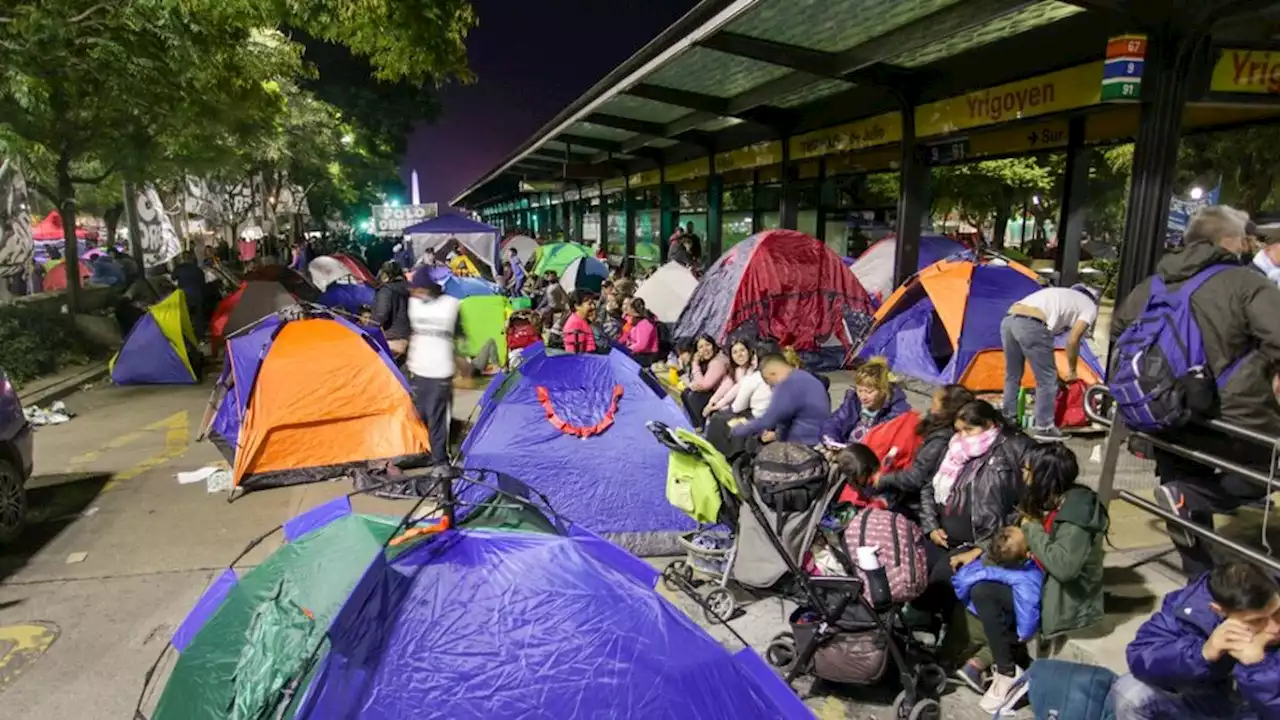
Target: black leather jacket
{"points": [[990, 485]]}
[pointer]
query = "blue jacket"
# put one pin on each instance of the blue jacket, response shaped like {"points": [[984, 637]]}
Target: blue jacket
{"points": [[849, 415], [799, 406], [1027, 583], [1167, 653]]}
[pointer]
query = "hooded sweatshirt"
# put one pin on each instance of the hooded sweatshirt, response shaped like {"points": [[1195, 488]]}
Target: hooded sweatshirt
{"points": [[1236, 313], [1166, 653], [1071, 554]]}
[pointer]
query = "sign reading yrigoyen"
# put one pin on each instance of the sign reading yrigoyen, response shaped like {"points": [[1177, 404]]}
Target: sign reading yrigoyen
{"points": [[1063, 90], [1247, 71]]}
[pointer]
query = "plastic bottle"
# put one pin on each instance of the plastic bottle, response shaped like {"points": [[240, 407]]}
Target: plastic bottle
{"points": [[877, 579]]}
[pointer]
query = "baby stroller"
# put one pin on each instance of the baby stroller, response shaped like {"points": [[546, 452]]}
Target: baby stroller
{"points": [[836, 634], [701, 484]]}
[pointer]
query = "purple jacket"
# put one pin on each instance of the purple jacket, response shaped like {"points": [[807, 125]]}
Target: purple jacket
{"points": [[1166, 653], [848, 416]]}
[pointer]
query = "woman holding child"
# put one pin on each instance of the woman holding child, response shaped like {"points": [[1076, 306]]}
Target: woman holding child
{"points": [[1056, 549], [902, 489]]}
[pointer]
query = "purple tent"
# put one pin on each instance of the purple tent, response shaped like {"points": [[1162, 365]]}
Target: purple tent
{"points": [[612, 482]]}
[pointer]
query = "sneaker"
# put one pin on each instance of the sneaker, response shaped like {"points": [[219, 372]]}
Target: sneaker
{"points": [[1047, 434], [973, 677], [1001, 694], [1171, 500]]}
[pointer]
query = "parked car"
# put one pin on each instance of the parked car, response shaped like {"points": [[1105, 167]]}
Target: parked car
{"points": [[15, 461]]}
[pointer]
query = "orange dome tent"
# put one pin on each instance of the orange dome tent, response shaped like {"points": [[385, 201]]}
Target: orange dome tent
{"points": [[307, 394]]}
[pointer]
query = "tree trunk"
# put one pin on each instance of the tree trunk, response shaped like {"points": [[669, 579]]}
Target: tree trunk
{"points": [[1001, 225], [112, 219], [67, 206]]}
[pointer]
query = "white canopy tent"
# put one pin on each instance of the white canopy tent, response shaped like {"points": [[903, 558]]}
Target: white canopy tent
{"points": [[479, 238]]}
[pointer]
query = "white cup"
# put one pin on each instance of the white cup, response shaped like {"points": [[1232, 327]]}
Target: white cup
{"points": [[867, 558]]}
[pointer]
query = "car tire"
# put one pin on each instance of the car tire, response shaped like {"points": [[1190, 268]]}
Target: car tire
{"points": [[13, 502]]}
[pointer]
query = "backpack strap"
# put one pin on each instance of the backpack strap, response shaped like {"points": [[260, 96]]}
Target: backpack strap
{"points": [[1184, 296]]}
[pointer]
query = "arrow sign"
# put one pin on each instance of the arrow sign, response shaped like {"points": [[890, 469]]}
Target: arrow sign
{"points": [[1033, 138]]}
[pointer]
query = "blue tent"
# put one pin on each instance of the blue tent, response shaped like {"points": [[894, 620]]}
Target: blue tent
{"points": [[613, 481], [462, 287], [159, 347], [350, 297], [479, 238], [584, 273], [514, 613]]}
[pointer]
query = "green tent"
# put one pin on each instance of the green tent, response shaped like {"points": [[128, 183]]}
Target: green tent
{"points": [[484, 318], [557, 257]]}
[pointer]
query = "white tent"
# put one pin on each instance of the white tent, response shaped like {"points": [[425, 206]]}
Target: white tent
{"points": [[479, 238], [667, 291], [324, 271], [526, 247]]}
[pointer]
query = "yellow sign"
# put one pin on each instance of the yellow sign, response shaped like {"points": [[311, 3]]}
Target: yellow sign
{"points": [[1055, 92], [534, 186], [689, 170], [751, 156], [1247, 71], [1019, 140], [878, 130], [646, 178], [613, 184], [871, 161]]}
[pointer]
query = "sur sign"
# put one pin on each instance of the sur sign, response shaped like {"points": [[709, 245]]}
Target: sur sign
{"points": [[393, 219]]}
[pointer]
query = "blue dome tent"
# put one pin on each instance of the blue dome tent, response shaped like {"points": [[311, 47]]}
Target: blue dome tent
{"points": [[574, 424]]}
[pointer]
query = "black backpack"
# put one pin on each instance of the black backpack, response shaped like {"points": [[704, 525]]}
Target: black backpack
{"points": [[789, 477]]}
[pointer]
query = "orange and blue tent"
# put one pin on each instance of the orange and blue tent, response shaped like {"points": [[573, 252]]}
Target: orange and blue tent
{"points": [[943, 325], [300, 397], [159, 348]]}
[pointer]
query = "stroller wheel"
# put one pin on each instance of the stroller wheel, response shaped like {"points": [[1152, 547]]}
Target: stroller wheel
{"points": [[719, 605], [931, 680], [781, 652], [923, 709], [677, 575]]}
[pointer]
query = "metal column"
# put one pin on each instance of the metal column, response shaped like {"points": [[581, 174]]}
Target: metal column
{"points": [[629, 227], [1172, 54], [790, 211], [913, 203], [579, 212], [668, 215], [826, 197], [566, 217], [604, 219], [1075, 204], [757, 220], [715, 219]]}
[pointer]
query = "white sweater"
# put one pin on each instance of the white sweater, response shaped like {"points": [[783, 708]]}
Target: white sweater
{"points": [[754, 394]]}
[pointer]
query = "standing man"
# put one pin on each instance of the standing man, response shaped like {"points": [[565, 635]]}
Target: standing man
{"points": [[433, 318], [391, 308], [1028, 333]]}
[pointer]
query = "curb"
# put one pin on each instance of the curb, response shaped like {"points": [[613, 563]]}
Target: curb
{"points": [[64, 387]]}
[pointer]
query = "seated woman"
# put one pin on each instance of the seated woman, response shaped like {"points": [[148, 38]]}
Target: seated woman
{"points": [[873, 400], [640, 333], [974, 493], [708, 368], [1063, 526], [902, 489], [749, 399], [742, 362]]}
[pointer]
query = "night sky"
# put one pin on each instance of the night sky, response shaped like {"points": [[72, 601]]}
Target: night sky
{"points": [[531, 60]]}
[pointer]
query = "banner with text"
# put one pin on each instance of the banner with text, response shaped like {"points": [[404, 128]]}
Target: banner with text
{"points": [[391, 220]]}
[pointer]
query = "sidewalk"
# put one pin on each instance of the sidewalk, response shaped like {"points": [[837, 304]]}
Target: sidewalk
{"points": [[44, 390]]}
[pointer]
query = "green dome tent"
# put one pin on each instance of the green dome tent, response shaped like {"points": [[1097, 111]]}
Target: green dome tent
{"points": [[557, 256]]}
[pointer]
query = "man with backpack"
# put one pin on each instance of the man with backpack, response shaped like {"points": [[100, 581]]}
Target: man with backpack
{"points": [[1201, 338]]}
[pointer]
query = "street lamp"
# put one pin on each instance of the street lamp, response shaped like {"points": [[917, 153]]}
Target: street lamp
{"points": [[1197, 192]]}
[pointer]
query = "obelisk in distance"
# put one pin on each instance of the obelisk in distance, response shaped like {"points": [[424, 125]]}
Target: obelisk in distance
{"points": [[417, 200]]}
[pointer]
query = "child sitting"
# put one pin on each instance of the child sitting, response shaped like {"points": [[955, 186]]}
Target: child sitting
{"points": [[1009, 565]]}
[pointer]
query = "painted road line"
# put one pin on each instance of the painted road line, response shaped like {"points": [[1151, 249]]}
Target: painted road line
{"points": [[115, 444], [177, 440], [21, 645]]}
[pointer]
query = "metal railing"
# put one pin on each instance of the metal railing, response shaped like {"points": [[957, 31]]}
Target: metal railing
{"points": [[1097, 403]]}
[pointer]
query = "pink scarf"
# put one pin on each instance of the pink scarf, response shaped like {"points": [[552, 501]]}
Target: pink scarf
{"points": [[960, 450]]}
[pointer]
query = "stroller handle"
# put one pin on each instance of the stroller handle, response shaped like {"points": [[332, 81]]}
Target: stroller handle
{"points": [[667, 437]]}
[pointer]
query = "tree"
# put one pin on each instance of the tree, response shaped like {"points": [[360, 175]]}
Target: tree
{"points": [[1247, 160], [985, 191]]}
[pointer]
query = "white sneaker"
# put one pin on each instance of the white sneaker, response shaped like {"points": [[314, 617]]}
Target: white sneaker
{"points": [[1001, 693]]}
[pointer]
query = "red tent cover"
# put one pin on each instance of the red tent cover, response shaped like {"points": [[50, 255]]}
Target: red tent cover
{"points": [[50, 228]]}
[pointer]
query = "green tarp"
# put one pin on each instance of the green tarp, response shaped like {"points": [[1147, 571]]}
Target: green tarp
{"points": [[557, 257], [271, 623], [484, 318]]}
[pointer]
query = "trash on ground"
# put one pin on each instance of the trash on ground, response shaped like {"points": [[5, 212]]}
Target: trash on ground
{"points": [[55, 415], [77, 557], [217, 478]]}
